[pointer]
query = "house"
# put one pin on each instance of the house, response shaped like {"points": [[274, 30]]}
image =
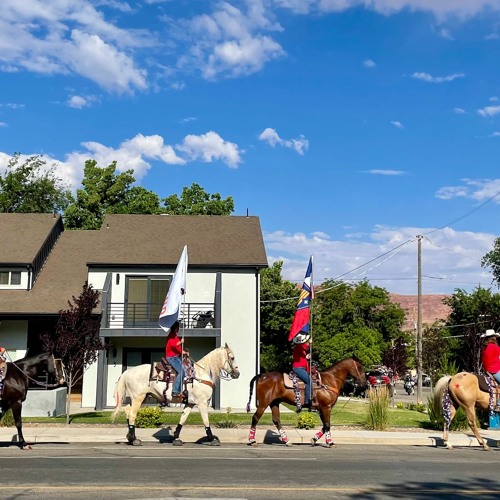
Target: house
{"points": [[131, 260]]}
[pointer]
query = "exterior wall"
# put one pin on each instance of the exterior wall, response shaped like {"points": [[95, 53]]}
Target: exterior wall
{"points": [[14, 337], [89, 387], [240, 320]]}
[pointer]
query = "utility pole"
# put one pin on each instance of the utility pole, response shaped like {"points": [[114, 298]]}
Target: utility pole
{"points": [[419, 322]]}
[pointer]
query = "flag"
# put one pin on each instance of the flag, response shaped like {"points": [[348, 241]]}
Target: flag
{"points": [[301, 318], [170, 311]]}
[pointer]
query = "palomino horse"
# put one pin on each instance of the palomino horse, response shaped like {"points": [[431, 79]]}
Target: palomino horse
{"points": [[135, 382], [271, 391], [460, 390], [16, 382]]}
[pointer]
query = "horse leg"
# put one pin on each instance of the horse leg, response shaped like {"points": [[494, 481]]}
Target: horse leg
{"points": [[131, 415], [253, 427], [213, 440], [324, 414], [16, 413], [446, 427], [275, 410], [185, 414], [471, 419]]}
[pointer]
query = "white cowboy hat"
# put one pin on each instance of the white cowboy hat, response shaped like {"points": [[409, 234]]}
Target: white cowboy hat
{"points": [[490, 333], [302, 338]]}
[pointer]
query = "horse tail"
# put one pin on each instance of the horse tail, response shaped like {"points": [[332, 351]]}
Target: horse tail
{"points": [[251, 390], [119, 396], [438, 395]]}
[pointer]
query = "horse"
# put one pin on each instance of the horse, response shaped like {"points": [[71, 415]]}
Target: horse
{"points": [[136, 383], [460, 390], [16, 382], [271, 391]]}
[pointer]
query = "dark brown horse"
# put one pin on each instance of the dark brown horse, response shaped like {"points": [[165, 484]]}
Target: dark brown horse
{"points": [[16, 382], [271, 391]]}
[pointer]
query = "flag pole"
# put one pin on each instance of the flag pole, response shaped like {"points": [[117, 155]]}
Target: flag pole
{"points": [[311, 326]]}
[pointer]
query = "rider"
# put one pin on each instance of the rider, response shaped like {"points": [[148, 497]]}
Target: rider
{"points": [[173, 353], [3, 366], [490, 357], [301, 356]]}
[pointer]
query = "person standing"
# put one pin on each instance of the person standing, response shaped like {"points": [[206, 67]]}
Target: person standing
{"points": [[300, 364], [174, 352]]}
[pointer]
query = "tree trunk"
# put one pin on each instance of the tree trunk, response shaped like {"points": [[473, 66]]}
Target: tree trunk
{"points": [[68, 397]]}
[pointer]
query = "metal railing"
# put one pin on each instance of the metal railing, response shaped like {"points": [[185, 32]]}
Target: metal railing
{"points": [[145, 315]]}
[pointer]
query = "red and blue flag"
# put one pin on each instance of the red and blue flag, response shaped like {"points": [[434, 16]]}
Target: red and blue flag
{"points": [[301, 319]]}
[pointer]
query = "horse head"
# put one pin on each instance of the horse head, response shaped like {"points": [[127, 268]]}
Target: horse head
{"points": [[356, 370], [230, 366]]}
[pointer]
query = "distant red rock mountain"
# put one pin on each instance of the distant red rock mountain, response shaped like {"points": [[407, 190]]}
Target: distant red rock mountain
{"points": [[433, 308]]}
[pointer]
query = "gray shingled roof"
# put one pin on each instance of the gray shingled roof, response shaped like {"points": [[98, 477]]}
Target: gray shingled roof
{"points": [[26, 234], [132, 240]]}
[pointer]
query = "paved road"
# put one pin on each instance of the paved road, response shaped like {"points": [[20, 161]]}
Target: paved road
{"points": [[237, 471]]}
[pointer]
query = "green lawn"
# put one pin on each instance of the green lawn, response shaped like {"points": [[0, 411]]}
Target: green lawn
{"points": [[343, 414]]}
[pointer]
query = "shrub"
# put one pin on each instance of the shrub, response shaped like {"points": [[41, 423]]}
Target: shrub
{"points": [[226, 422], [378, 409], [417, 407], [306, 420], [7, 419], [149, 418], [400, 406]]}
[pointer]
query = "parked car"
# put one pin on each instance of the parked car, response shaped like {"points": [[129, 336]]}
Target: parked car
{"points": [[352, 389], [426, 380], [377, 378]]}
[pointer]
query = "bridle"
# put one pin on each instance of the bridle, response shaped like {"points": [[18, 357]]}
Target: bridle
{"points": [[227, 374], [43, 384]]}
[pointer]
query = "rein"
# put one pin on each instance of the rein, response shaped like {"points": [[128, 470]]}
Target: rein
{"points": [[42, 384]]}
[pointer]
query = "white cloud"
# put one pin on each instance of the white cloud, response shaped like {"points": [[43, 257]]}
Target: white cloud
{"points": [[475, 189], [3, 124], [369, 63], [450, 256], [489, 111], [459, 111], [397, 124], [495, 134], [493, 98], [426, 77], [80, 102], [270, 136], [210, 147], [386, 172], [445, 33]]}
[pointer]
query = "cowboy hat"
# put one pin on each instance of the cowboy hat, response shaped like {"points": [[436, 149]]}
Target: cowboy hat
{"points": [[490, 333]]}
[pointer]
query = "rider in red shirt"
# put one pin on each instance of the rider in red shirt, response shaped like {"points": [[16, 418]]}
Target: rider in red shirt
{"points": [[173, 353], [490, 357], [301, 364]]}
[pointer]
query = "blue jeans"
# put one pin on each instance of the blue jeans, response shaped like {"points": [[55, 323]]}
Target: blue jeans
{"points": [[496, 376], [176, 364], [306, 378]]}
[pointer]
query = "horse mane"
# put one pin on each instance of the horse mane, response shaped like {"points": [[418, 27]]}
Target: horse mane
{"points": [[32, 361], [212, 363]]}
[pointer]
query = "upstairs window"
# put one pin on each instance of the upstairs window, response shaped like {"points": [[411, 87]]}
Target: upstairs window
{"points": [[10, 277]]}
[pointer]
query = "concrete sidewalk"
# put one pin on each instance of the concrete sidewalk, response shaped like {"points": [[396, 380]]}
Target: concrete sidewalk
{"points": [[62, 434]]}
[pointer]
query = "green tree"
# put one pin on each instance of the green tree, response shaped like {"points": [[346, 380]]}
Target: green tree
{"points": [[107, 192], [278, 303], [435, 350], [492, 261], [471, 314], [395, 356], [195, 200], [31, 186], [354, 320]]}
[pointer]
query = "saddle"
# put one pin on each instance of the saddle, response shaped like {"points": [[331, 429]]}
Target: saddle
{"points": [[161, 371], [293, 382]]}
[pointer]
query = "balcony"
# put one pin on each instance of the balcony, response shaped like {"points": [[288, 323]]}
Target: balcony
{"points": [[145, 315]]}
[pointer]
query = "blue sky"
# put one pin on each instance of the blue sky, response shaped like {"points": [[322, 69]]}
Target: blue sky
{"points": [[348, 126]]}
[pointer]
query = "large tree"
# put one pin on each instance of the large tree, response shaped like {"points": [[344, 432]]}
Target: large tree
{"points": [[354, 320], [195, 200], [32, 186], [76, 338], [106, 191], [278, 303], [471, 314]]}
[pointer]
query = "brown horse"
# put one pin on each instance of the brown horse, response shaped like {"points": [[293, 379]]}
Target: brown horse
{"points": [[271, 391], [460, 390]]}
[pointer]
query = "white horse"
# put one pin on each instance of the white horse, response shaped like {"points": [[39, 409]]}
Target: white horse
{"points": [[135, 382]]}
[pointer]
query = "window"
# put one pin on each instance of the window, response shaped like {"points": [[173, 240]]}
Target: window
{"points": [[144, 299], [10, 277]]}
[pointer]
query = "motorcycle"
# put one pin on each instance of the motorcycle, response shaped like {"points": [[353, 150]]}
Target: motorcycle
{"points": [[408, 385]]}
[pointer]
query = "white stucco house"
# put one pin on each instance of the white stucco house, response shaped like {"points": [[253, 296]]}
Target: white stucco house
{"points": [[131, 260]]}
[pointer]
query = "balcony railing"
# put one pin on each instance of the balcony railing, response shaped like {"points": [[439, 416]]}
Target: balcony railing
{"points": [[145, 315]]}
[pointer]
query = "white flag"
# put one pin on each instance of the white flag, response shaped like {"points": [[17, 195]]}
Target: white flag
{"points": [[171, 307]]}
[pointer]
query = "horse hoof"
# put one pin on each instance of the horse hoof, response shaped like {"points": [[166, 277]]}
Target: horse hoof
{"points": [[135, 442], [313, 442], [252, 443], [331, 445], [486, 447], [177, 442], [215, 442], [26, 447], [288, 443]]}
